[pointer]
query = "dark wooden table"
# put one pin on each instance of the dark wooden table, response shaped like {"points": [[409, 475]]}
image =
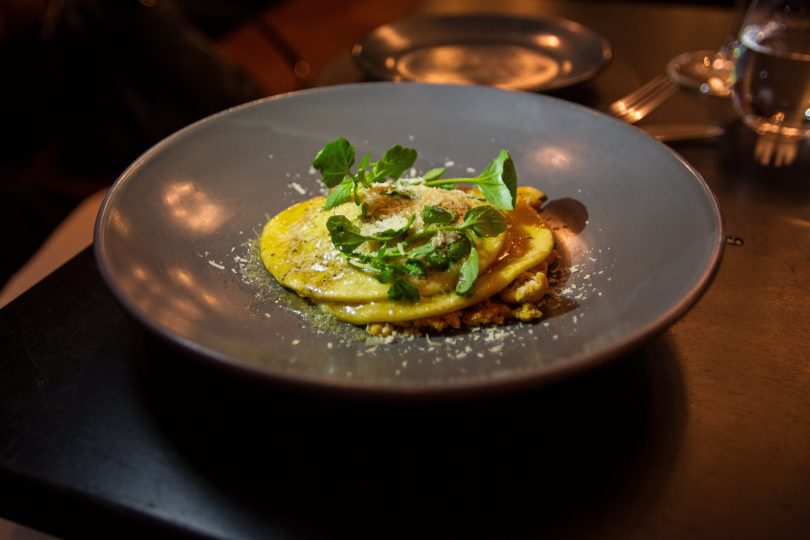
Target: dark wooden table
{"points": [[704, 432]]}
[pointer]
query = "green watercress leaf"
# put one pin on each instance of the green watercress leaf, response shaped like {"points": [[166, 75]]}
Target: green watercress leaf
{"points": [[343, 192], [468, 273], [421, 251], [438, 260], [394, 162], [386, 274], [434, 174], [402, 289], [390, 234], [436, 215], [415, 268], [362, 262], [399, 193], [364, 162], [459, 249], [497, 182], [345, 235], [484, 220], [334, 161]]}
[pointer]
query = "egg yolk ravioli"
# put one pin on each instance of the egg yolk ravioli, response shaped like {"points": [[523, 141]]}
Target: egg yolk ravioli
{"points": [[297, 250]]}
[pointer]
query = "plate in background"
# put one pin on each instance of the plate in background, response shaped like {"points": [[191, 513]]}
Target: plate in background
{"points": [[638, 229], [515, 53]]}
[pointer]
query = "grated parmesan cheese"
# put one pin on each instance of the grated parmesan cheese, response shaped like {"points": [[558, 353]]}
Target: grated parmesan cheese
{"points": [[297, 187]]}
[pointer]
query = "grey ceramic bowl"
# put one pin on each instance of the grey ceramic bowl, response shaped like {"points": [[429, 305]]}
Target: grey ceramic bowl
{"points": [[639, 231]]}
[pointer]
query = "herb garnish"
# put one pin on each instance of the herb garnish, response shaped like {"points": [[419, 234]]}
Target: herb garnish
{"points": [[393, 262], [497, 182], [346, 235], [334, 161]]}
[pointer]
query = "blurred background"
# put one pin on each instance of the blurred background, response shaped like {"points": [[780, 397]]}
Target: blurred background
{"points": [[88, 85]]}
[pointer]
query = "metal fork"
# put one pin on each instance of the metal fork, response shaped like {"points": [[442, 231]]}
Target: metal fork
{"points": [[641, 102]]}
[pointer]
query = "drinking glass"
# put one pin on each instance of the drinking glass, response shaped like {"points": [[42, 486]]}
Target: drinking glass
{"points": [[771, 80], [709, 71]]}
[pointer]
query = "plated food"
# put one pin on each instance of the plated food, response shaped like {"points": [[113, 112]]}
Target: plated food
{"points": [[637, 232], [402, 252]]}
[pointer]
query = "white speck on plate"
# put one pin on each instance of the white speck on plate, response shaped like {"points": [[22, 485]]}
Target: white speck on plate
{"points": [[297, 187]]}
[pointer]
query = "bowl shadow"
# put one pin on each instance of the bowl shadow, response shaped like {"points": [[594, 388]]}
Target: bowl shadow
{"points": [[549, 461]]}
